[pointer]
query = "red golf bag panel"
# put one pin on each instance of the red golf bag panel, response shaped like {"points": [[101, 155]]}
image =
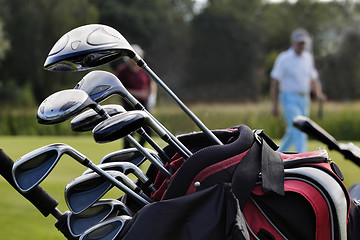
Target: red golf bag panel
{"points": [[282, 196]]}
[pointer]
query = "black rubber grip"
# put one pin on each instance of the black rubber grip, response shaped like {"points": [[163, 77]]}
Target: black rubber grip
{"points": [[45, 203]]}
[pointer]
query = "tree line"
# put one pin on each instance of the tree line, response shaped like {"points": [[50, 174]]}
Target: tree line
{"points": [[223, 52]]}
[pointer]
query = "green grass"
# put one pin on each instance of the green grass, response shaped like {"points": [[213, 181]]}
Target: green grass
{"points": [[20, 220]]}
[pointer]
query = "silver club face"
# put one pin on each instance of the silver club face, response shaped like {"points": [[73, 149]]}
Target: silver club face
{"points": [[32, 168], [63, 105], [85, 190], [108, 230], [97, 213], [87, 47]]}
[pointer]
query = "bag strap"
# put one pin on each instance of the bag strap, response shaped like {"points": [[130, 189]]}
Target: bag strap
{"points": [[260, 162]]}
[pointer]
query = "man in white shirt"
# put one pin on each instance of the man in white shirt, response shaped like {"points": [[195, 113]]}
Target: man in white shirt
{"points": [[294, 77]]}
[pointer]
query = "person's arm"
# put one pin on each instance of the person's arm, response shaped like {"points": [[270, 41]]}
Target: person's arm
{"points": [[275, 96], [317, 89]]}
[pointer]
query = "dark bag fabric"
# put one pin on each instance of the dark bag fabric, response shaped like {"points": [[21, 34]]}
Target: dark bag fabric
{"points": [[211, 194], [213, 213]]}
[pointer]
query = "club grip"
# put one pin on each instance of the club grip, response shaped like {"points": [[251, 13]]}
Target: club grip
{"points": [[45, 203]]}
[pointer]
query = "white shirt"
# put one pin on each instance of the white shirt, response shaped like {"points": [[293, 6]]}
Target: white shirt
{"points": [[294, 72]]}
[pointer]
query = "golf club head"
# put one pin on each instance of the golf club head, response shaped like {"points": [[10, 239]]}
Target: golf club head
{"points": [[85, 190], [126, 168], [87, 47], [102, 84], [132, 155], [32, 168], [107, 230], [87, 120], [97, 213], [63, 105], [118, 126]]}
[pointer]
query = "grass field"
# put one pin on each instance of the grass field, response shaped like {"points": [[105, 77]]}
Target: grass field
{"points": [[19, 220]]}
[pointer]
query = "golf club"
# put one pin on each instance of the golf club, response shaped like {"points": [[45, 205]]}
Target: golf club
{"points": [[101, 85], [131, 155], [93, 45], [348, 150], [109, 130], [126, 168], [86, 189], [32, 168], [124, 124], [65, 104], [107, 230], [87, 120], [100, 211]]}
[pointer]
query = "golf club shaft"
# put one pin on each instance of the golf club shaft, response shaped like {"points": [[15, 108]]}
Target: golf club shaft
{"points": [[141, 63], [154, 161], [181, 147], [152, 143], [138, 106], [157, 163], [118, 184]]}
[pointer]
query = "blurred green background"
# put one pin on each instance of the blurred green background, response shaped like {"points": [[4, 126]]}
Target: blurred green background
{"points": [[216, 56]]}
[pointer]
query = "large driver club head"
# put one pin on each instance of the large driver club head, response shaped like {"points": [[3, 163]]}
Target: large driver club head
{"points": [[65, 104], [100, 211], [87, 47], [85, 190], [107, 230], [87, 120], [32, 168], [93, 45]]}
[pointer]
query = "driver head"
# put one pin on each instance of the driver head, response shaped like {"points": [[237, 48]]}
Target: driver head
{"points": [[87, 47]]}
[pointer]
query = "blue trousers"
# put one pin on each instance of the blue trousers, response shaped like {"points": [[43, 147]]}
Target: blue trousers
{"points": [[293, 105]]}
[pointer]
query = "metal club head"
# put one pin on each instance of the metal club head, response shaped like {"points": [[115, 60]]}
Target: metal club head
{"points": [[101, 85], [85, 190], [122, 125], [102, 210], [32, 168], [132, 155], [63, 105], [107, 230], [87, 120], [126, 168], [87, 47]]}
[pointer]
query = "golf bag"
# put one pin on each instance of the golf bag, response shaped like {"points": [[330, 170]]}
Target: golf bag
{"points": [[244, 189]]}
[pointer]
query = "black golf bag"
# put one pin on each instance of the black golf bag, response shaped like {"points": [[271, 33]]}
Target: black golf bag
{"points": [[244, 189]]}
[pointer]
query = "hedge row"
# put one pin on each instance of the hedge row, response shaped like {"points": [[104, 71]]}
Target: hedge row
{"points": [[339, 119]]}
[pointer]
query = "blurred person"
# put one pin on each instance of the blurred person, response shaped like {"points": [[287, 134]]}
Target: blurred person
{"points": [[294, 78], [139, 84]]}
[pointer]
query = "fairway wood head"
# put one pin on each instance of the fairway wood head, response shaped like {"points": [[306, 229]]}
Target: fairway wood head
{"points": [[98, 212], [32, 168], [108, 229], [63, 105], [87, 120], [85, 190], [87, 47], [118, 126], [101, 85]]}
